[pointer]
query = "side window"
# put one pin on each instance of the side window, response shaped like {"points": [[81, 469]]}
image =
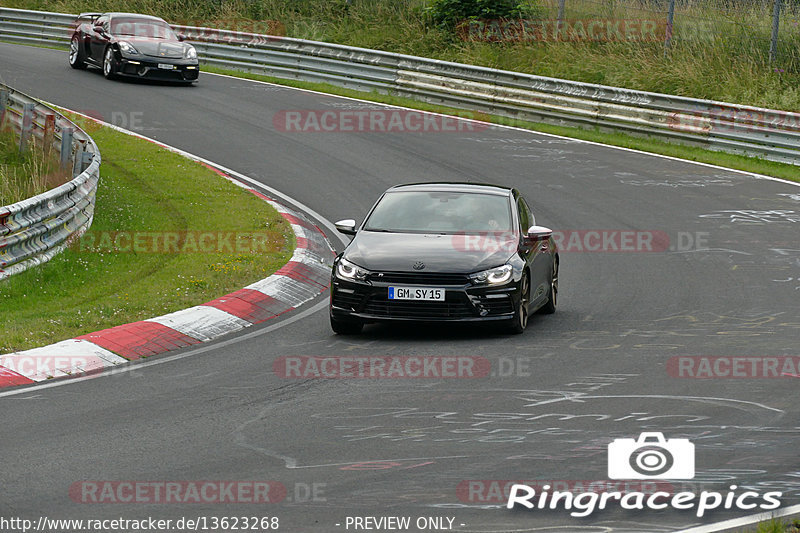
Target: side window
{"points": [[524, 215], [531, 216]]}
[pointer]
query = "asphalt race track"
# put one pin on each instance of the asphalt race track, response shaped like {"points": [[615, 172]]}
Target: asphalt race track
{"points": [[726, 285]]}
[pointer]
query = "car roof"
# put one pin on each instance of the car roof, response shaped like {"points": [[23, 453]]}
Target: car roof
{"points": [[133, 15], [484, 188]]}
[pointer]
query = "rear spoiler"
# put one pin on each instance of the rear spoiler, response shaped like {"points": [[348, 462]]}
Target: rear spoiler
{"points": [[92, 16]]}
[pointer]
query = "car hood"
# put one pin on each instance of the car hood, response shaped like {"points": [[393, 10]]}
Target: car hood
{"points": [[158, 47], [397, 252]]}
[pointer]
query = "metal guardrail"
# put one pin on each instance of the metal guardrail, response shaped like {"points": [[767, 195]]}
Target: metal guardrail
{"points": [[766, 133], [34, 230]]}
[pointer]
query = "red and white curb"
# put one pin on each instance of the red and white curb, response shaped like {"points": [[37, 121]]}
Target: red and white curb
{"points": [[305, 276]]}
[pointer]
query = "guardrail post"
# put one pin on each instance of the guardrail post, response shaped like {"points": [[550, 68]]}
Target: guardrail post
{"points": [[3, 106], [87, 158], [670, 19], [49, 133], [66, 146], [560, 16], [77, 163], [776, 21], [28, 111]]}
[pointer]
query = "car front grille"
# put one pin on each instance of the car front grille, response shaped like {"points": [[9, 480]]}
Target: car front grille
{"points": [[495, 306], [348, 300], [375, 302], [419, 278], [161, 74], [380, 305]]}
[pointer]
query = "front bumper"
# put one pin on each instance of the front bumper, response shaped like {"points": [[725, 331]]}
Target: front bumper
{"points": [[148, 67], [464, 302]]}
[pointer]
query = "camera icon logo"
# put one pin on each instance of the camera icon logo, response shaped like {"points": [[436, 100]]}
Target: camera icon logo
{"points": [[651, 457]]}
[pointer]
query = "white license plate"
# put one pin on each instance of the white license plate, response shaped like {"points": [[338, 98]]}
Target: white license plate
{"points": [[166, 66], [416, 293]]}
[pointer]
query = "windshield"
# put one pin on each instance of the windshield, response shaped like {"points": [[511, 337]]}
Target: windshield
{"points": [[440, 212], [143, 28]]}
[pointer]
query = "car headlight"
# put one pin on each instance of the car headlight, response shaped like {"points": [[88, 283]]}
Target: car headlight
{"points": [[127, 48], [493, 276], [347, 270], [190, 52]]}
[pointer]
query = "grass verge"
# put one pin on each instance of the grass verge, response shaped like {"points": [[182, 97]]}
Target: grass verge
{"points": [[26, 174], [645, 144], [777, 525], [106, 279]]}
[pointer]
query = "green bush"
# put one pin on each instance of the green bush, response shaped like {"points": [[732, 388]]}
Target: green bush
{"points": [[451, 12]]}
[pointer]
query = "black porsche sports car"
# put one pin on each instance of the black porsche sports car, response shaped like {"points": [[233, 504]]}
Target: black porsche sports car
{"points": [[127, 44], [444, 252]]}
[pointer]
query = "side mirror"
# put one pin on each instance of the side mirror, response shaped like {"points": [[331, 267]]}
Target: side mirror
{"points": [[99, 29], [538, 233], [181, 37], [346, 226]]}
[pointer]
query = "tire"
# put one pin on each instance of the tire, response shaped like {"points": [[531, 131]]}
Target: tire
{"points": [[77, 57], [346, 327], [109, 67], [552, 300], [520, 320]]}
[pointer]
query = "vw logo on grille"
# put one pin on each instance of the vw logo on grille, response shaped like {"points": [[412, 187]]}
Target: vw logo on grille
{"points": [[419, 265]]}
